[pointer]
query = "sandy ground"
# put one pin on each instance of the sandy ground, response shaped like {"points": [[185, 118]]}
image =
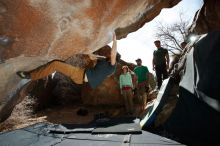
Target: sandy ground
{"points": [[23, 115]]}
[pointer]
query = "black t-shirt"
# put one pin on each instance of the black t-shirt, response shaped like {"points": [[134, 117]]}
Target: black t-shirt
{"points": [[159, 56]]}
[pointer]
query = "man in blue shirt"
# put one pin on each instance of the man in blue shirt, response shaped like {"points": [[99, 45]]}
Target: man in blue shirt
{"points": [[105, 66]]}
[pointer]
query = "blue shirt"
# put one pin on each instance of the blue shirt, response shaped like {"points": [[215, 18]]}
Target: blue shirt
{"points": [[98, 74]]}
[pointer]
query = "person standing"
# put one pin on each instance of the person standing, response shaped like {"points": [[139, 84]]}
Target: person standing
{"points": [[160, 63], [126, 87], [142, 74]]}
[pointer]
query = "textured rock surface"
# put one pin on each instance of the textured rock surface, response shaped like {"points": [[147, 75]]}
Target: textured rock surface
{"points": [[208, 18], [60, 29], [32, 32], [11, 85]]}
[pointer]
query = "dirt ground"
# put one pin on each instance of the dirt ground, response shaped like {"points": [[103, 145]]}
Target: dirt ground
{"points": [[23, 115]]}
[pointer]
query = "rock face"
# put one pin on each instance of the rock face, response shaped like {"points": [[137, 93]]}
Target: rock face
{"points": [[11, 85], [60, 29], [32, 32], [208, 18]]}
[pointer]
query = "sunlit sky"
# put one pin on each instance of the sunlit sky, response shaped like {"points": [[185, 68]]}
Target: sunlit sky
{"points": [[140, 44]]}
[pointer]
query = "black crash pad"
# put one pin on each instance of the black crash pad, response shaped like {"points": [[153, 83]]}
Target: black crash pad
{"points": [[38, 135]]}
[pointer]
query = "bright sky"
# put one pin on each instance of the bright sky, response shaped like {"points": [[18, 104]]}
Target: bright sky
{"points": [[140, 43]]}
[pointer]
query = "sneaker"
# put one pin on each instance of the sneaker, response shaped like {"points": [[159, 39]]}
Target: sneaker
{"points": [[23, 74]]}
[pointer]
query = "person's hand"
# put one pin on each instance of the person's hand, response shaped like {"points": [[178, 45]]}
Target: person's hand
{"points": [[92, 56], [114, 50]]}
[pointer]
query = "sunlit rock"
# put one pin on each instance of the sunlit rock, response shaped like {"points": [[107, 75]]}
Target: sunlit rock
{"points": [[43, 30], [60, 29]]}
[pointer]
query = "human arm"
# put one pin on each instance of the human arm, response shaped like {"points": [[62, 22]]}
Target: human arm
{"points": [[167, 60], [135, 81], [95, 57], [153, 63], [147, 76], [135, 77], [132, 86], [120, 83], [114, 50]]}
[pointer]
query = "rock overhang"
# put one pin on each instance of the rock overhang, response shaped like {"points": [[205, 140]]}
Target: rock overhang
{"points": [[33, 32]]}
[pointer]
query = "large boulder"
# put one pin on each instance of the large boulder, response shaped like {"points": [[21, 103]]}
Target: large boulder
{"points": [[207, 19], [60, 29], [33, 32]]}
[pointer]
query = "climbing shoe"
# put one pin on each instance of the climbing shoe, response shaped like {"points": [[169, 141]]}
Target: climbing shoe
{"points": [[23, 74]]}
